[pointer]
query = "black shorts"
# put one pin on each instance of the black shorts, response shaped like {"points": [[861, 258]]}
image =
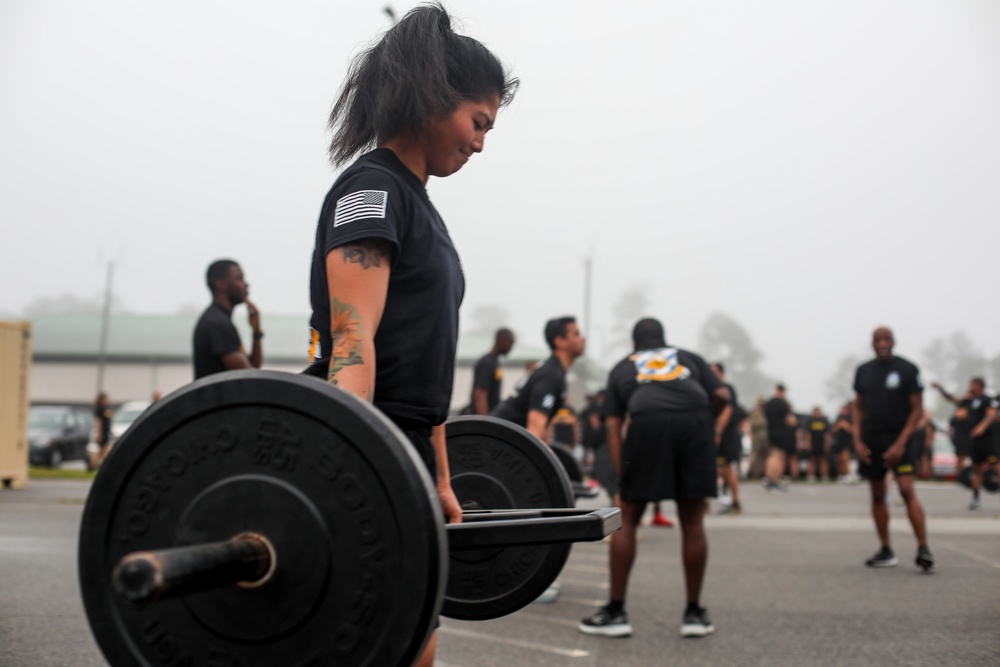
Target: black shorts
{"points": [[421, 440], [984, 450], [729, 450], [878, 445], [817, 451], [669, 456], [963, 444], [782, 441]]}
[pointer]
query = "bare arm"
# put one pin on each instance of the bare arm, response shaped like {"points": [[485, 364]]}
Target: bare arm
{"points": [[237, 360], [945, 393], [614, 425], [538, 422], [358, 278], [895, 453], [858, 408], [256, 349], [722, 421], [449, 502], [479, 403], [980, 429]]}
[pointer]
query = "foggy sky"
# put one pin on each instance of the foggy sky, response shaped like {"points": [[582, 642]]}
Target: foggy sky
{"points": [[812, 169]]}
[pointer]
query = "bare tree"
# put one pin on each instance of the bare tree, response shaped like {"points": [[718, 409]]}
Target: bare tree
{"points": [[724, 339]]}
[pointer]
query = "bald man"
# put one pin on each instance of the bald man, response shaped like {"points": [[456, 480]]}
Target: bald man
{"points": [[888, 405]]}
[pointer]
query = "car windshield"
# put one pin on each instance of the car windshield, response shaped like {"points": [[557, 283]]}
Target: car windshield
{"points": [[45, 419]]}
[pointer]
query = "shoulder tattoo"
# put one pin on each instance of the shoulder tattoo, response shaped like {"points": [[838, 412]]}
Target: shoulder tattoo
{"points": [[367, 253]]}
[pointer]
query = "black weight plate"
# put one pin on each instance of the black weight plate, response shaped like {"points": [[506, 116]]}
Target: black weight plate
{"points": [[990, 481], [569, 462], [498, 465], [353, 515], [965, 477]]}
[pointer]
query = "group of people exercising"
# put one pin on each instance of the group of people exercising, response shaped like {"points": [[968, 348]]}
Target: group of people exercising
{"points": [[387, 283]]}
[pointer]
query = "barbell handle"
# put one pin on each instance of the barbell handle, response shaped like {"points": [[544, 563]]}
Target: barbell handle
{"points": [[494, 529], [148, 576]]}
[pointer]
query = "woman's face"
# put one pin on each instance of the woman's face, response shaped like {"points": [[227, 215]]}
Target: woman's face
{"points": [[452, 139]]}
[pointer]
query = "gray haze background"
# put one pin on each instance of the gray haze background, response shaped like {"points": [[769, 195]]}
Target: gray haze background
{"points": [[811, 170]]}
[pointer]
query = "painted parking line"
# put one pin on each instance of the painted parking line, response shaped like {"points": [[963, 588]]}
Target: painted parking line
{"points": [[518, 643], [971, 555]]}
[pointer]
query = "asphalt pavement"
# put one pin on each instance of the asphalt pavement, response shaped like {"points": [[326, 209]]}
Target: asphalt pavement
{"points": [[786, 585]]}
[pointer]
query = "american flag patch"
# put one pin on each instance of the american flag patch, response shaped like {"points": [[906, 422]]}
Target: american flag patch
{"points": [[360, 205]]}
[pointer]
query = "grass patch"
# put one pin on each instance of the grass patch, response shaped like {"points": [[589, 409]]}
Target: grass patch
{"points": [[58, 473]]}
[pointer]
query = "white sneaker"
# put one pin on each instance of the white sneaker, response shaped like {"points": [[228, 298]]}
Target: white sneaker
{"points": [[551, 594]]}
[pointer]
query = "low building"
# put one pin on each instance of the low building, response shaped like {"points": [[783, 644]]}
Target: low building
{"points": [[152, 353]]}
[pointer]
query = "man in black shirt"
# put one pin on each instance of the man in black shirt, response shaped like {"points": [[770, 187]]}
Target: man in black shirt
{"points": [[488, 374], [781, 436], [217, 345], [819, 444], [888, 404], [544, 392], [981, 413], [727, 442], [667, 395]]}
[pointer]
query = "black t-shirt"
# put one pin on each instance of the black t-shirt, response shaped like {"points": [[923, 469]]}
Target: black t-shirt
{"points": [[818, 427], [978, 406], [735, 417], [103, 414], [544, 390], [377, 197], [214, 337], [659, 379], [885, 387], [776, 412], [487, 375], [843, 435]]}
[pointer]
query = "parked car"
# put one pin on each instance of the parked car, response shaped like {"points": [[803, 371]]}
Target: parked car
{"points": [[942, 457], [124, 416], [58, 433]]}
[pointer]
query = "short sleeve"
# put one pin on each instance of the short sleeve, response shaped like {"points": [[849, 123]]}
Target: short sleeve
{"points": [[484, 374], [368, 204], [546, 394], [707, 377], [224, 339], [915, 384], [857, 382]]}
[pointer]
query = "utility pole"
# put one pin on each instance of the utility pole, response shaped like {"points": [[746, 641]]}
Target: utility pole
{"points": [[105, 317], [588, 266]]}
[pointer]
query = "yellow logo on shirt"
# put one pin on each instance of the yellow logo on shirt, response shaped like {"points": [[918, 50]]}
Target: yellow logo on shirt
{"points": [[659, 365]]}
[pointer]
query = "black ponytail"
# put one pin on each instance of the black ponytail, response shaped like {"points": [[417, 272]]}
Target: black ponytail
{"points": [[420, 68]]}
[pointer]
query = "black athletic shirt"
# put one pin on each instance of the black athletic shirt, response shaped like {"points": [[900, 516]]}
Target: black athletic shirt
{"points": [[978, 407], [776, 412], [818, 426], [545, 390], [885, 387], [214, 337], [735, 417], [659, 379], [843, 437], [377, 197], [103, 414], [487, 375]]}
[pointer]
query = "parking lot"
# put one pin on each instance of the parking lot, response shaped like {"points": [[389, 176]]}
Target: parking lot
{"points": [[785, 586]]}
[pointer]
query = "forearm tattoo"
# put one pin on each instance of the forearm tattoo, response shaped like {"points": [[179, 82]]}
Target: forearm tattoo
{"points": [[347, 331], [367, 253]]}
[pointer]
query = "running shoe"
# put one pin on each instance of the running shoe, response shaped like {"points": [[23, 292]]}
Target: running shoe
{"points": [[732, 510], [925, 559], [660, 520], [883, 558], [606, 624], [974, 505], [696, 623], [550, 594]]}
